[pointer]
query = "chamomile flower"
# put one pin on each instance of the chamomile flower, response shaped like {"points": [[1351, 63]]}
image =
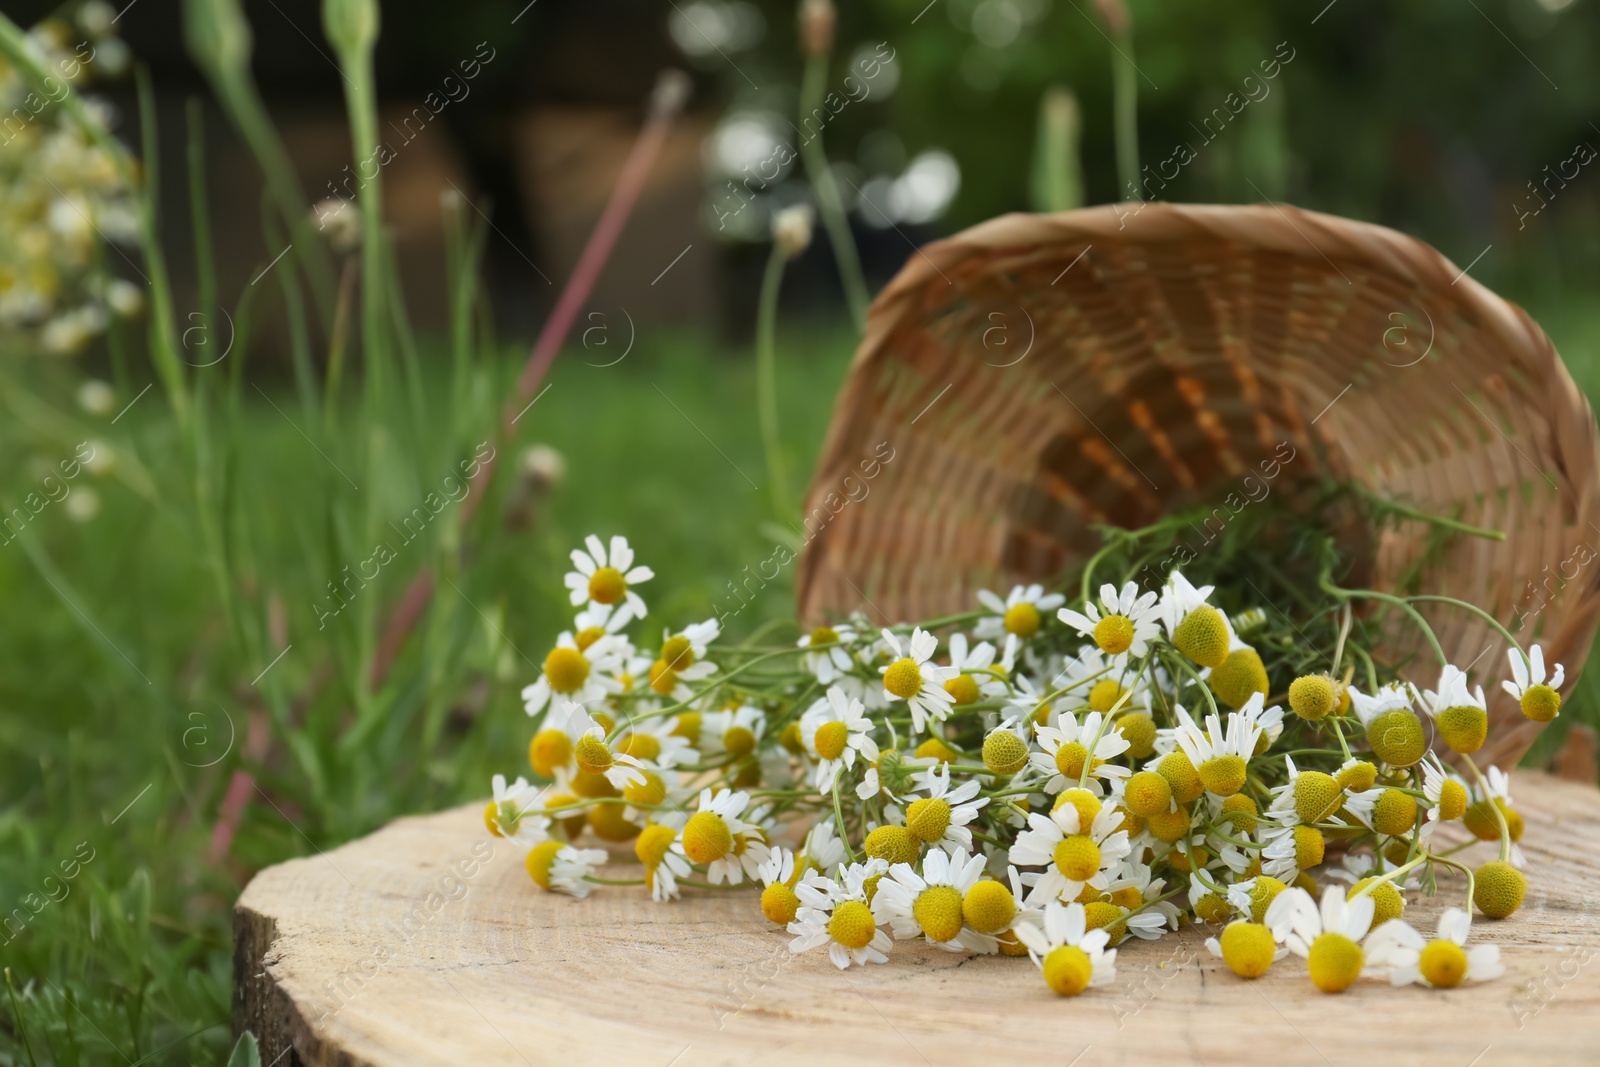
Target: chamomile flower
{"points": [[833, 731], [1065, 751], [656, 743], [735, 731], [663, 865], [1442, 963], [1249, 947], [1129, 623], [507, 815], [1076, 852], [1540, 700], [570, 740], [836, 914], [778, 876], [607, 578], [1021, 613], [930, 904], [913, 678], [1072, 957], [1480, 816], [1221, 757], [941, 817], [682, 660], [1179, 598], [1327, 938], [828, 651], [975, 681], [560, 868], [578, 675], [1393, 730], [709, 837], [1459, 713], [1446, 795]]}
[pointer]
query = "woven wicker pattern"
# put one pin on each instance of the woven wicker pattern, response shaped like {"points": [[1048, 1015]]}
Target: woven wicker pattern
{"points": [[1037, 374]]}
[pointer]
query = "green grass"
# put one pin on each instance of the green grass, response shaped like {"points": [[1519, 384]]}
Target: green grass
{"points": [[121, 697]]}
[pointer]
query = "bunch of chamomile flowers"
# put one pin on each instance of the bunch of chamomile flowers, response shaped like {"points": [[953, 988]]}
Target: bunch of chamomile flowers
{"points": [[1031, 778]]}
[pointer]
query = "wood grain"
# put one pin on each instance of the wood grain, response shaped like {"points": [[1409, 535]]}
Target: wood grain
{"points": [[426, 943]]}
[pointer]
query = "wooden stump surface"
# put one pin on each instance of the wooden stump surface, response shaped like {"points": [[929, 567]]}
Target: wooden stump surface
{"points": [[426, 943]]}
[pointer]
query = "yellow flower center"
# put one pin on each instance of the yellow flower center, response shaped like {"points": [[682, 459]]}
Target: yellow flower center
{"points": [[1067, 970], [903, 678], [1241, 676], [501, 819], [1085, 803], [1387, 903], [779, 904], [938, 911], [653, 843], [1070, 759], [1357, 778], [824, 635], [933, 748], [1541, 703], [588, 636], [649, 792], [1114, 634], [1247, 949], [1396, 738], [588, 784], [1395, 813], [706, 837], [644, 747], [1203, 636], [687, 726], [566, 669], [830, 739], [1168, 826], [607, 586], [929, 818], [1213, 908], [592, 754], [1452, 799], [1311, 696], [539, 860], [663, 679], [1316, 796], [1148, 794], [677, 653], [610, 822], [739, 740], [1078, 857], [895, 844], [1334, 962], [1464, 728], [988, 907], [1139, 730], [1180, 775], [1498, 889], [1479, 818], [1004, 752], [1022, 619], [963, 689], [1443, 964], [1309, 847], [1099, 914], [549, 750], [1266, 890], [1222, 775], [1104, 694], [1127, 897], [852, 925]]}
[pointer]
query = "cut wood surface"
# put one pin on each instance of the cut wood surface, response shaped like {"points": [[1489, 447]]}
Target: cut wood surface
{"points": [[426, 943]]}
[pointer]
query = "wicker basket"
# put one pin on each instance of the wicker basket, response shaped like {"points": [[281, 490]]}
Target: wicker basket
{"points": [[1036, 374]]}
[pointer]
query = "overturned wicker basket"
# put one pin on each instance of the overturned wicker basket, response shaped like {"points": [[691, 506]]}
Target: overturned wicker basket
{"points": [[1037, 374]]}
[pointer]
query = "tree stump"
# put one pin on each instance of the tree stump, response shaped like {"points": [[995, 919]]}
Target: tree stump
{"points": [[426, 943]]}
